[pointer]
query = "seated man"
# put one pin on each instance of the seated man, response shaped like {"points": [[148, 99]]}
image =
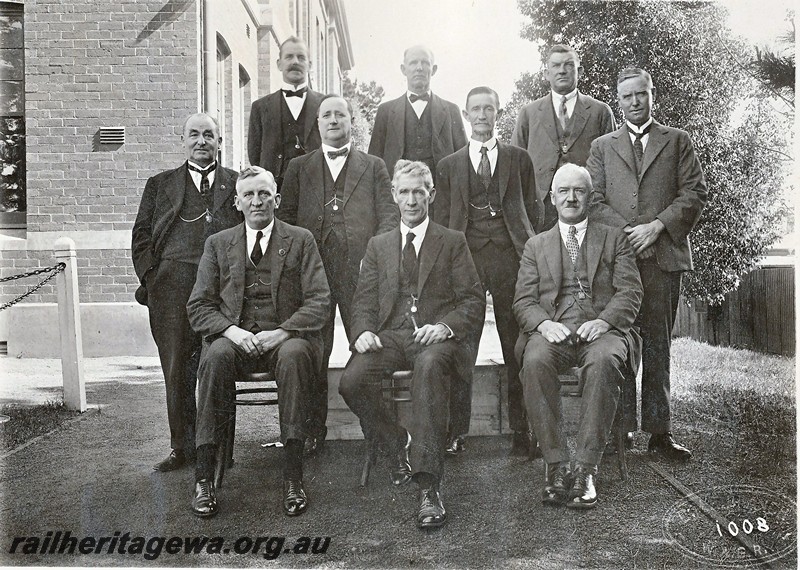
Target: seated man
{"points": [[418, 299], [260, 301], [577, 295]]}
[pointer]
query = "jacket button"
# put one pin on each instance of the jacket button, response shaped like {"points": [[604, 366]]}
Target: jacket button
{"points": [[319, 218], [280, 156], [633, 219], [634, 194], [633, 206]]}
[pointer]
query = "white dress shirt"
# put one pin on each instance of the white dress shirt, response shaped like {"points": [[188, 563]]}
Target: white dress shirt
{"points": [[475, 153], [335, 165], [572, 98], [197, 177], [251, 238], [295, 104], [419, 234], [580, 228], [418, 105], [634, 129]]}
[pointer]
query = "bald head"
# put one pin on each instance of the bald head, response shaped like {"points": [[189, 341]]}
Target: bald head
{"points": [[418, 67]]}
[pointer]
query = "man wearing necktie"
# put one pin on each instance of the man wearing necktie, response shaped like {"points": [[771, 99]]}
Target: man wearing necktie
{"points": [[179, 209], [559, 127], [418, 125], [648, 181], [283, 124], [418, 305], [576, 299], [487, 190], [260, 301], [343, 196]]}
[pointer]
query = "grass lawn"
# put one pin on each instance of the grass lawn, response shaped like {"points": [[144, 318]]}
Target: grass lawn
{"points": [[27, 422]]}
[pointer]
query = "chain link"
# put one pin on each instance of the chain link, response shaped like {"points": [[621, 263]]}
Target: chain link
{"points": [[55, 270]]}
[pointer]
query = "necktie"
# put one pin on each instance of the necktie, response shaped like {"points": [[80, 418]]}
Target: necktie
{"points": [[204, 185], [257, 254], [298, 93], [562, 113], [414, 97], [409, 258], [638, 147], [333, 154], [484, 168], [572, 243]]}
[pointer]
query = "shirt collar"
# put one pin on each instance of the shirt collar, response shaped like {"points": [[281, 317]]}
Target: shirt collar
{"points": [[327, 147], [557, 96], [290, 87], [491, 144], [579, 227], [634, 129], [251, 233], [208, 168], [419, 231]]}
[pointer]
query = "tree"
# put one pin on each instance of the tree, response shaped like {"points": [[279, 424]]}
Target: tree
{"points": [[365, 98], [704, 86]]}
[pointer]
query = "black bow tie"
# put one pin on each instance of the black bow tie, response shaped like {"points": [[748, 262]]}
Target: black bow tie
{"points": [[424, 97], [332, 154], [298, 93]]}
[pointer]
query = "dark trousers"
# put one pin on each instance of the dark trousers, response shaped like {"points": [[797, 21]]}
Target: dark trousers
{"points": [[436, 369], [656, 317], [342, 274], [601, 363], [168, 288], [293, 367]]}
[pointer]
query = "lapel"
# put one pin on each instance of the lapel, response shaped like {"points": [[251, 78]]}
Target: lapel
{"points": [[503, 168], [311, 117], [176, 188], [438, 115], [315, 177], [621, 143], [547, 118], [237, 257], [595, 241], [280, 242], [391, 275], [356, 166], [224, 188], [274, 110], [397, 124], [553, 254], [431, 246], [656, 142], [462, 177], [579, 117]]}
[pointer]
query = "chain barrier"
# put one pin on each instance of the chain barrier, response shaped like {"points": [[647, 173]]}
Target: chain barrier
{"points": [[55, 270]]}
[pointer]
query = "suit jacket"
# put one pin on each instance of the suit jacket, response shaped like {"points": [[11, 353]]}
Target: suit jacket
{"points": [[368, 207], [517, 192], [265, 136], [671, 187], [388, 134], [300, 291], [536, 131], [161, 203], [449, 289]]}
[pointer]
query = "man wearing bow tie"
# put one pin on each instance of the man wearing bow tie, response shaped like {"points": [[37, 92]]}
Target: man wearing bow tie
{"points": [[283, 124], [418, 125], [344, 197], [559, 127], [648, 181], [179, 209]]}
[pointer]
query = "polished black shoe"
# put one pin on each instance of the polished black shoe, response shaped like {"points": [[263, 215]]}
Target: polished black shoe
{"points": [[583, 495], [520, 444], [663, 444], [175, 460], [431, 510], [611, 446], [558, 482], [401, 470], [313, 445], [456, 445], [204, 503], [295, 501]]}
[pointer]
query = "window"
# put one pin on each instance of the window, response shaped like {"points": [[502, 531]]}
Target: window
{"points": [[245, 99], [12, 117], [223, 112]]}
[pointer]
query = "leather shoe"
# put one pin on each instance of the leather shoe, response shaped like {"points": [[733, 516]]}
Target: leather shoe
{"points": [[175, 460], [663, 444], [611, 446], [583, 495], [455, 445], [295, 501], [204, 503], [401, 472], [431, 510], [313, 445], [558, 482]]}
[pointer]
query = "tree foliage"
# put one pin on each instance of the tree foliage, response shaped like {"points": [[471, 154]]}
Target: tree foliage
{"points": [[703, 85], [365, 98]]}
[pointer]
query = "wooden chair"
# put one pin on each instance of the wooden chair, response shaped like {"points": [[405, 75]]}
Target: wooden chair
{"points": [[224, 456]]}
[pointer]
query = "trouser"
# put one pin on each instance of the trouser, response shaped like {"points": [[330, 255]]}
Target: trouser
{"points": [[436, 368], [169, 286]]}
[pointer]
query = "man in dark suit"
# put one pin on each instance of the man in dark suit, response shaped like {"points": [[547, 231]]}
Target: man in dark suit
{"points": [[560, 127], [648, 181], [487, 190], [283, 124], [577, 296], [418, 303], [343, 196], [418, 125], [259, 302], [179, 209]]}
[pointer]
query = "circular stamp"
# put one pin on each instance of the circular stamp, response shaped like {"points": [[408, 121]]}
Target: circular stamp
{"points": [[759, 526]]}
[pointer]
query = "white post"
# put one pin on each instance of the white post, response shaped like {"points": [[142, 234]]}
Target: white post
{"points": [[69, 326]]}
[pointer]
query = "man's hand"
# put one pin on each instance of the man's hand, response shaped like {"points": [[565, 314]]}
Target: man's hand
{"points": [[592, 330], [644, 235], [553, 332], [427, 335], [267, 340], [243, 339], [646, 253], [368, 341]]}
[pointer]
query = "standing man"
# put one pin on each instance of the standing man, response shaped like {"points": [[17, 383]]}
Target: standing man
{"points": [[417, 125], [259, 302], [487, 190], [560, 127], [283, 124], [577, 296], [344, 197], [648, 181], [179, 209], [417, 306]]}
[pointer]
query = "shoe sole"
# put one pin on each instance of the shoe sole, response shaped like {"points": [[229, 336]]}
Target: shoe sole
{"points": [[428, 526], [296, 513], [204, 515], [581, 506], [668, 455]]}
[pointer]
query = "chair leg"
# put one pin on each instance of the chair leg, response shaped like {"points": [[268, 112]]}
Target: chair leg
{"points": [[369, 461], [225, 447], [620, 432]]}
